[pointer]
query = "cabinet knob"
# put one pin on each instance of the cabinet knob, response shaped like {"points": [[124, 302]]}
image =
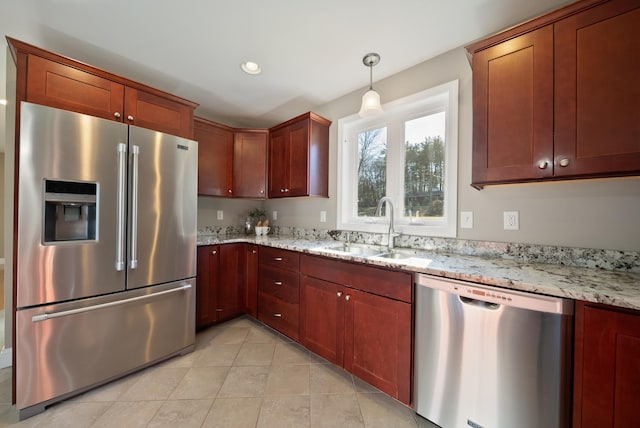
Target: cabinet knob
{"points": [[229, 191], [286, 190], [262, 192], [130, 118], [277, 282], [543, 164], [347, 297], [214, 252], [339, 293], [253, 251], [277, 315], [116, 115], [564, 162]]}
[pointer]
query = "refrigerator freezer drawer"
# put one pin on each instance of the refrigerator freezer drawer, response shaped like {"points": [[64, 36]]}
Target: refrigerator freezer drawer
{"points": [[70, 347]]}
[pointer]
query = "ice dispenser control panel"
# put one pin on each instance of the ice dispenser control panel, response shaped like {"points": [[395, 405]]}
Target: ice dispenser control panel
{"points": [[69, 211]]}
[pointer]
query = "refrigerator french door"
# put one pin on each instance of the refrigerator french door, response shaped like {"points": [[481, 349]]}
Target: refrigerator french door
{"points": [[105, 252]]}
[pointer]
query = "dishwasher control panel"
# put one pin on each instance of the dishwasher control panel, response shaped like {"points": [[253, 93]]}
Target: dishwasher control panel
{"points": [[497, 295]]}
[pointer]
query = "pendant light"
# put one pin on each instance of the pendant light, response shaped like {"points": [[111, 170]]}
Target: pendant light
{"points": [[370, 100]]}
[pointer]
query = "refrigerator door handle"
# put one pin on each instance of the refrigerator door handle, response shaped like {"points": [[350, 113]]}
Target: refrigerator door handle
{"points": [[135, 150], [120, 206], [47, 316]]}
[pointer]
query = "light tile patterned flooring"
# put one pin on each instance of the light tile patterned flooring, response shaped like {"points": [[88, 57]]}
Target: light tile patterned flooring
{"points": [[241, 374]]}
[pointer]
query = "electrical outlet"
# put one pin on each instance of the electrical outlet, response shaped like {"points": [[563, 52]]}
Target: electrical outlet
{"points": [[511, 221], [220, 215], [323, 216], [275, 215], [466, 219]]}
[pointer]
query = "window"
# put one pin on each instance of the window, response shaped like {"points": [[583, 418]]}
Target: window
{"points": [[408, 153]]}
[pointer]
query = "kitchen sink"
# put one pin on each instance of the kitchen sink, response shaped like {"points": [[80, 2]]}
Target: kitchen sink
{"points": [[356, 249], [395, 255]]}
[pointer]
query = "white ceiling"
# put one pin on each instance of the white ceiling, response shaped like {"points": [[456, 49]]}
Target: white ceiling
{"points": [[310, 52]]}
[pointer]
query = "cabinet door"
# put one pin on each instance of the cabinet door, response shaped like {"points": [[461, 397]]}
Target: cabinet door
{"points": [[250, 164], [597, 112], [377, 344], [297, 161], [231, 275], [251, 280], [322, 318], [57, 85], [513, 109], [607, 367], [278, 163], [158, 113], [215, 158], [206, 280]]}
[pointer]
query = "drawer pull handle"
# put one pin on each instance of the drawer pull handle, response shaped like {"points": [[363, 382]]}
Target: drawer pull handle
{"points": [[277, 315], [278, 259], [277, 282]]}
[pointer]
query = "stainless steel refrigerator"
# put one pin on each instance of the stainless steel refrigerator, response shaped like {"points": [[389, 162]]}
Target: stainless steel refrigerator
{"points": [[106, 252]]}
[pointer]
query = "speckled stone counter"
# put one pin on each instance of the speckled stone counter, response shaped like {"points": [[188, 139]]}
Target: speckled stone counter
{"points": [[619, 288]]}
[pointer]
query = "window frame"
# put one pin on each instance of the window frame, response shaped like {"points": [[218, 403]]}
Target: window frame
{"points": [[437, 99]]}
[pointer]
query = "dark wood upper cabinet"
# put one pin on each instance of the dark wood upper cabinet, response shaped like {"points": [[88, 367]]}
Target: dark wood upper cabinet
{"points": [[513, 109], [597, 91], [215, 158], [250, 164], [299, 157], [231, 162], [50, 79], [558, 96]]}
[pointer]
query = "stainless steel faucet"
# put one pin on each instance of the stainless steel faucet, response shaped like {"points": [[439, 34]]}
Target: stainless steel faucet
{"points": [[392, 233]]}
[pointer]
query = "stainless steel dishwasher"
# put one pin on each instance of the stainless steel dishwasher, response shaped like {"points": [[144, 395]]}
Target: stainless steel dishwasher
{"points": [[487, 357]]}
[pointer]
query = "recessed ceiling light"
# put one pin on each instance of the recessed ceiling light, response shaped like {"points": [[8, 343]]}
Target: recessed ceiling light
{"points": [[251, 67]]}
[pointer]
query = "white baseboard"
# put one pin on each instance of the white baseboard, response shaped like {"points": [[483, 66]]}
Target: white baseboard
{"points": [[5, 358]]}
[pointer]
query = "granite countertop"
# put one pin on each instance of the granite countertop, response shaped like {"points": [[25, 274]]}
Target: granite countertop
{"points": [[616, 288]]}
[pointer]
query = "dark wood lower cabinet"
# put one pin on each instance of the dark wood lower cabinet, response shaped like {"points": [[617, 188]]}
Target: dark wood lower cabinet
{"points": [[206, 284], [607, 367], [250, 291], [322, 318], [221, 283], [377, 343], [367, 333]]}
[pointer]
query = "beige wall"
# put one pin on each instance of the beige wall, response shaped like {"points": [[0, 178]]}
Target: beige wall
{"points": [[600, 213]]}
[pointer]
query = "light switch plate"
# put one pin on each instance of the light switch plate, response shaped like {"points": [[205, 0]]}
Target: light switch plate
{"points": [[511, 220], [323, 216], [220, 215], [275, 215], [466, 219]]}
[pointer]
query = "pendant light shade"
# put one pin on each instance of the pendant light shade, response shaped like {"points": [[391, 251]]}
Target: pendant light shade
{"points": [[370, 100]]}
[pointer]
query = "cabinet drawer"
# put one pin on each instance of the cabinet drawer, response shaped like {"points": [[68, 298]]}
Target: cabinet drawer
{"points": [[279, 283], [279, 314], [387, 283], [282, 259]]}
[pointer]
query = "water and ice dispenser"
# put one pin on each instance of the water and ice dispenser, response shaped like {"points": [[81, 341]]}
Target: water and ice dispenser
{"points": [[70, 211]]}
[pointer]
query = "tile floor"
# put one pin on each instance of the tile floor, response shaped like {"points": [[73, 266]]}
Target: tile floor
{"points": [[241, 374]]}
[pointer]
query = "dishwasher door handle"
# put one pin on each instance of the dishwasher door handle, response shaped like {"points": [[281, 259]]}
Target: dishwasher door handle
{"points": [[479, 303]]}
